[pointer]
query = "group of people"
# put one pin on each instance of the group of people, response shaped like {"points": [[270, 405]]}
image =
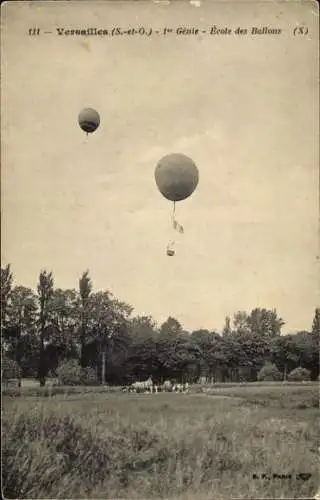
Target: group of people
{"points": [[148, 386]]}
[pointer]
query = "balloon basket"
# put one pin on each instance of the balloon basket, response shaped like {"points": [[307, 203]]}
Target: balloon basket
{"points": [[170, 253]]}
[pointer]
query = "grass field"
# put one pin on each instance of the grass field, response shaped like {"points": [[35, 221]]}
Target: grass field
{"points": [[94, 444]]}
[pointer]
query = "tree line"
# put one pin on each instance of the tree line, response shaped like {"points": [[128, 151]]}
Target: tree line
{"points": [[95, 331]]}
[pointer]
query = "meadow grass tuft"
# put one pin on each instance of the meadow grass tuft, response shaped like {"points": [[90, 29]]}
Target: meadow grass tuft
{"points": [[112, 445]]}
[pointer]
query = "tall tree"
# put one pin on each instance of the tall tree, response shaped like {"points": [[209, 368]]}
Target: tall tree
{"points": [[260, 321], [28, 354], [20, 325], [212, 357], [235, 356], [227, 327], [143, 328], [255, 351], [316, 324], [315, 334], [241, 322], [283, 354], [64, 315], [265, 322], [178, 360], [45, 292], [202, 336], [143, 361], [64, 327], [6, 287], [85, 289], [170, 329], [22, 316], [307, 351], [108, 325]]}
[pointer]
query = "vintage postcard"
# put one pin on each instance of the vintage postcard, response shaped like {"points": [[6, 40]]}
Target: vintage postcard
{"points": [[160, 297]]}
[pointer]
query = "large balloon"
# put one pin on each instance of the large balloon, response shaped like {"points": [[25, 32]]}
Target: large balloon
{"points": [[89, 120], [177, 176]]}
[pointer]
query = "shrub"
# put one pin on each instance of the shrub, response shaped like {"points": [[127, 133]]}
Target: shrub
{"points": [[299, 375], [269, 372], [36, 444], [44, 453], [71, 373]]}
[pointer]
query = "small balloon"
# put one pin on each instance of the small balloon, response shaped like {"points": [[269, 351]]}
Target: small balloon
{"points": [[89, 120], [176, 176]]}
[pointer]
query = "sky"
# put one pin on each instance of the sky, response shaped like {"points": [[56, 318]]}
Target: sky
{"points": [[244, 108]]}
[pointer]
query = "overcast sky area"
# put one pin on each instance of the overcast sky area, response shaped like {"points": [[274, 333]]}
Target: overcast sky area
{"points": [[243, 108]]}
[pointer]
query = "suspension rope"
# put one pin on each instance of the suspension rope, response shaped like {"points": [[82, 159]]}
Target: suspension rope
{"points": [[176, 227], [175, 223]]}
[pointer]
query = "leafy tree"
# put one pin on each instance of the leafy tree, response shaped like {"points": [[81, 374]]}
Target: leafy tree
{"points": [[107, 325], [236, 357], [315, 334], [269, 372], [170, 329], [85, 289], [227, 330], [22, 312], [284, 354], [20, 322], [143, 361], [45, 293], [215, 357], [164, 359], [28, 355], [265, 322], [6, 287], [241, 322], [188, 357], [290, 351], [255, 351], [202, 336], [307, 351], [142, 328], [64, 316], [206, 341], [316, 325], [177, 360]]}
